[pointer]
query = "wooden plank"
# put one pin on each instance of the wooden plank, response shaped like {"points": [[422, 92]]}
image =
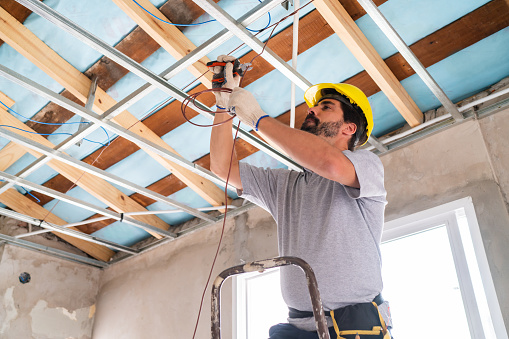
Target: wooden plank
{"points": [[348, 31], [10, 154], [97, 187], [26, 43], [21, 204], [458, 35], [167, 36], [17, 10], [7, 101]]}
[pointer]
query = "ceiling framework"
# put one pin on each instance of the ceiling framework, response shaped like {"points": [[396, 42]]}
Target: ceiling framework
{"points": [[330, 17]]}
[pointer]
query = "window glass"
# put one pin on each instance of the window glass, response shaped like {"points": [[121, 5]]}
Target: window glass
{"points": [[422, 288]]}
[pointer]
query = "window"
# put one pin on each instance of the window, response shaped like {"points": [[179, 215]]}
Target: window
{"points": [[436, 278], [259, 304], [436, 275]]}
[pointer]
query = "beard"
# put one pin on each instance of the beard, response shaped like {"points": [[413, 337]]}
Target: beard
{"points": [[328, 129]]}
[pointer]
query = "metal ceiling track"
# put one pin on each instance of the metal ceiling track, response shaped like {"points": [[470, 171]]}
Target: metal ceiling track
{"points": [[50, 153], [249, 39], [155, 80], [393, 36], [83, 204], [51, 251], [96, 119], [56, 228]]}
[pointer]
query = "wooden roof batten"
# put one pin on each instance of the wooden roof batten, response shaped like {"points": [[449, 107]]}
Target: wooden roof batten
{"points": [[167, 36], [21, 204], [348, 31], [26, 43]]}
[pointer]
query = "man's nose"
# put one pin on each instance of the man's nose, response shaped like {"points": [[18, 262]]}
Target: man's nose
{"points": [[312, 110]]}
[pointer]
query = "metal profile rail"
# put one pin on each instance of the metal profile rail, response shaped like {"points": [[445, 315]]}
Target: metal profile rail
{"points": [[56, 228], [200, 51], [243, 34], [53, 252], [83, 204], [389, 31], [50, 153], [89, 221], [141, 142], [102, 47]]}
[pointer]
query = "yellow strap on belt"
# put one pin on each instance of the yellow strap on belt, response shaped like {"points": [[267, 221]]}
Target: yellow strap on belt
{"points": [[375, 331]]}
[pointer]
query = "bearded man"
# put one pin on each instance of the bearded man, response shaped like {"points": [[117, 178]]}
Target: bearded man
{"points": [[331, 214]]}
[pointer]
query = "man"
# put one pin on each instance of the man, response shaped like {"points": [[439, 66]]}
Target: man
{"points": [[330, 215]]}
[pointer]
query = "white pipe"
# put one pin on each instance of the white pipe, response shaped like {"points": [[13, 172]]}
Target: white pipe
{"points": [[295, 49], [412, 130], [89, 221], [486, 98]]}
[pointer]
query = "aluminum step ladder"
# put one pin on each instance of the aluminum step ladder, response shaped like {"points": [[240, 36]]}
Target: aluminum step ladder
{"points": [[260, 266]]}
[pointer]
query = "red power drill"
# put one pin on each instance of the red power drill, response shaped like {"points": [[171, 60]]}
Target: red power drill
{"points": [[218, 80]]}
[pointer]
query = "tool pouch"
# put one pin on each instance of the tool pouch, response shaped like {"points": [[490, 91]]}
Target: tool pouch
{"points": [[361, 319]]}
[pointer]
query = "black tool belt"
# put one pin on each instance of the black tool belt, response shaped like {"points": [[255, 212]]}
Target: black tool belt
{"points": [[294, 313]]}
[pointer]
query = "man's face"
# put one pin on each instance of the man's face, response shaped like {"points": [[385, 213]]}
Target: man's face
{"points": [[325, 119]]}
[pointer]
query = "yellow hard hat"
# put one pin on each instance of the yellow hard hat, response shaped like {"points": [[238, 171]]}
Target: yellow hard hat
{"points": [[314, 93]]}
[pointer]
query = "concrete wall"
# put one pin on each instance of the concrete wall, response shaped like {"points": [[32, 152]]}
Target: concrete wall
{"points": [[158, 293], [58, 302]]}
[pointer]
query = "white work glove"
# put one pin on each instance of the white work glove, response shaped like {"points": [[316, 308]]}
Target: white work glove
{"points": [[244, 105], [231, 80]]}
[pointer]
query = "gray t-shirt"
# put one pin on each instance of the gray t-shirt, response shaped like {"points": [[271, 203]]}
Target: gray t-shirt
{"points": [[335, 228]]}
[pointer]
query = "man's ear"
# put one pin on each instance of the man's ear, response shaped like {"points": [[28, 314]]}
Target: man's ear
{"points": [[349, 128]]}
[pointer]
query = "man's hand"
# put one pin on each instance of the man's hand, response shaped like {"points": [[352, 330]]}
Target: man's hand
{"points": [[243, 104], [231, 80]]}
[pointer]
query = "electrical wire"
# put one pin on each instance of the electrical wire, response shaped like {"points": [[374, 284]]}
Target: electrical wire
{"points": [[52, 124], [24, 189], [184, 105], [196, 24]]}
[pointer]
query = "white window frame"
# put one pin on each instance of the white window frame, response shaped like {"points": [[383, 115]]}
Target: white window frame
{"points": [[447, 215], [239, 306]]}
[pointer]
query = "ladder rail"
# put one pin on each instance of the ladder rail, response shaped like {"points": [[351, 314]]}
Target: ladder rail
{"points": [[260, 266]]}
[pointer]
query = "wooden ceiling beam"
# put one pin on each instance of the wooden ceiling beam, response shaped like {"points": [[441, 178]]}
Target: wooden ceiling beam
{"points": [[348, 31], [97, 187], [21, 204], [27, 44], [167, 36]]}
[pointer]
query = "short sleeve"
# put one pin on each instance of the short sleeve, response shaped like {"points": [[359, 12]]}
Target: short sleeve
{"points": [[260, 186], [370, 173]]}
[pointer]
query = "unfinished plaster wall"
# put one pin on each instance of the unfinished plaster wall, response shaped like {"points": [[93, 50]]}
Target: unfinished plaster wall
{"points": [[158, 293], [58, 302], [469, 159]]}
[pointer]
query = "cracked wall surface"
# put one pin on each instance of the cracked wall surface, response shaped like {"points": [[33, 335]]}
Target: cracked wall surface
{"points": [[58, 302]]}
